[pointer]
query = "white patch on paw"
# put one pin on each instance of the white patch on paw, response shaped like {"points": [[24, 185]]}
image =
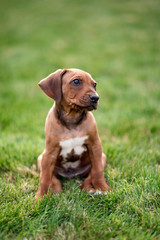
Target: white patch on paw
{"points": [[91, 192], [100, 193], [75, 144], [96, 193]]}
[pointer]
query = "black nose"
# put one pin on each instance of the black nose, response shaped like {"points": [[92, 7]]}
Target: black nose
{"points": [[94, 98]]}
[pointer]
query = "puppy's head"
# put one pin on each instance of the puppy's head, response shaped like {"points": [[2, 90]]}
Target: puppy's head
{"points": [[72, 87]]}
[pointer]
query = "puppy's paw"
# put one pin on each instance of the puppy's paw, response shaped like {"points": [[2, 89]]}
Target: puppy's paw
{"points": [[101, 185], [88, 188]]}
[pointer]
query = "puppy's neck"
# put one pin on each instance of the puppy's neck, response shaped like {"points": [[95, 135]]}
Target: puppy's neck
{"points": [[69, 117]]}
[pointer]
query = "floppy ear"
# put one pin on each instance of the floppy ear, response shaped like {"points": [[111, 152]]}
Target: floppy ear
{"points": [[52, 85]]}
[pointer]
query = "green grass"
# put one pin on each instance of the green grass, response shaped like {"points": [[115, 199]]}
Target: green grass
{"points": [[118, 43]]}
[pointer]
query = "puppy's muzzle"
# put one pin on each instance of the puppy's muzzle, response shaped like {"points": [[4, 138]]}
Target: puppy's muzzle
{"points": [[94, 98]]}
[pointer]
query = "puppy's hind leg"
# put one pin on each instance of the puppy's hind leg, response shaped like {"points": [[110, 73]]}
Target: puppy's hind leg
{"points": [[103, 160], [39, 162]]}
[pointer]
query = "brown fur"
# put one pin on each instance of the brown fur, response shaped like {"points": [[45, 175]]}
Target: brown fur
{"points": [[69, 118]]}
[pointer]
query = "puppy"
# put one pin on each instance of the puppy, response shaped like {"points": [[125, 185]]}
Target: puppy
{"points": [[73, 146]]}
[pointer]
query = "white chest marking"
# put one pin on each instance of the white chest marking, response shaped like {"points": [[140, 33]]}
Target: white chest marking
{"points": [[67, 165], [75, 144]]}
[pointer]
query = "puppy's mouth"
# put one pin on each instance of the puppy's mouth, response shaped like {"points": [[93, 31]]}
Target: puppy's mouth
{"points": [[87, 107]]}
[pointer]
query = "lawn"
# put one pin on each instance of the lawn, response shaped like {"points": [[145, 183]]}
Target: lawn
{"points": [[117, 42]]}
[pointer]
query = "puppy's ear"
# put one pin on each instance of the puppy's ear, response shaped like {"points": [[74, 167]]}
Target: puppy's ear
{"points": [[52, 85]]}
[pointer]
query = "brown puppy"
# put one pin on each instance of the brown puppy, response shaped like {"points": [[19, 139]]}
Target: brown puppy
{"points": [[73, 146]]}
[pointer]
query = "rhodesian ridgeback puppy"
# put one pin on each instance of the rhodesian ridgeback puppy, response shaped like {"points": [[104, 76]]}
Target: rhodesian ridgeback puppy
{"points": [[73, 146]]}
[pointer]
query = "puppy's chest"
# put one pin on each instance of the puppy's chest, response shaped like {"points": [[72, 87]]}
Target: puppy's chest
{"points": [[71, 151]]}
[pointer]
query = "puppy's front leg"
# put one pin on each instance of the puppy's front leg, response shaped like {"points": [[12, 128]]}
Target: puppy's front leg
{"points": [[97, 170], [48, 181]]}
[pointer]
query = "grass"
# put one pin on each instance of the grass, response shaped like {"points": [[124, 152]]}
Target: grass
{"points": [[118, 43]]}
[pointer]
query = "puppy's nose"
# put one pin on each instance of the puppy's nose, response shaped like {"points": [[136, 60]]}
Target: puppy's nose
{"points": [[94, 98]]}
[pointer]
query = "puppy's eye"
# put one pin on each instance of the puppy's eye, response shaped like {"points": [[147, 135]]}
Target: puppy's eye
{"points": [[76, 82], [95, 84]]}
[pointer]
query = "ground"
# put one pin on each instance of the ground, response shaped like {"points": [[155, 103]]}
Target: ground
{"points": [[117, 42]]}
